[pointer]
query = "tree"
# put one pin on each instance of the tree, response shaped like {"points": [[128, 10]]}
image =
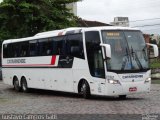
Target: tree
{"points": [[22, 18], [153, 41]]}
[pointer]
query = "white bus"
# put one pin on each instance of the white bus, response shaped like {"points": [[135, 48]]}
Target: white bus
{"points": [[107, 61]]}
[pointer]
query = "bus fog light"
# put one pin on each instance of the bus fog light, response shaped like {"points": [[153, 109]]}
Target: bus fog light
{"points": [[113, 81], [147, 80]]}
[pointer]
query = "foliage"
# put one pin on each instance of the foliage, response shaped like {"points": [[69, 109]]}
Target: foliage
{"points": [[153, 41], [22, 18]]}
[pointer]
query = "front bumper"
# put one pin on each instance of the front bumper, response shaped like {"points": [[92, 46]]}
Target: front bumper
{"points": [[124, 88]]}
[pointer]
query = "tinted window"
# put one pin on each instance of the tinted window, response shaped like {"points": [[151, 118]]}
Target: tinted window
{"points": [[74, 46], [24, 49], [57, 45], [15, 49], [5, 51], [33, 48], [45, 47], [70, 45], [94, 54], [7, 48]]}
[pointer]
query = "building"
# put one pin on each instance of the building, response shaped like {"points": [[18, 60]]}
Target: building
{"points": [[87, 23], [121, 21]]}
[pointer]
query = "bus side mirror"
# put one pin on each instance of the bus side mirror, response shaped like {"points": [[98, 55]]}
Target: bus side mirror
{"points": [[154, 51], [107, 50]]}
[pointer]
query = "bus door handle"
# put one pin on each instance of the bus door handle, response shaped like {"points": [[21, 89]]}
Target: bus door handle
{"points": [[55, 80]]}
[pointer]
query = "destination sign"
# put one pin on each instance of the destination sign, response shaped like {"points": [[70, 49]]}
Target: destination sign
{"points": [[113, 34]]}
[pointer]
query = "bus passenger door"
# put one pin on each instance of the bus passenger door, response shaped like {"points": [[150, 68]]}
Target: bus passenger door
{"points": [[95, 62], [96, 67]]}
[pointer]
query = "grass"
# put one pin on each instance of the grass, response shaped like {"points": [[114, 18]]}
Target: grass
{"points": [[155, 63]]}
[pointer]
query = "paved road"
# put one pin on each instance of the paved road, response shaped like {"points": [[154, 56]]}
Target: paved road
{"points": [[49, 102]]}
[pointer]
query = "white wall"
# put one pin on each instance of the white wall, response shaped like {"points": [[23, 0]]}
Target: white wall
{"points": [[73, 7]]}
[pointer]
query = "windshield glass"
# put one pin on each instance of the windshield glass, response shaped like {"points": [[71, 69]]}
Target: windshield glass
{"points": [[128, 50]]}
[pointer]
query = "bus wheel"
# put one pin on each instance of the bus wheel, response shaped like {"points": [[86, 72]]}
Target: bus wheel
{"points": [[16, 85], [122, 97], [24, 85], [85, 90]]}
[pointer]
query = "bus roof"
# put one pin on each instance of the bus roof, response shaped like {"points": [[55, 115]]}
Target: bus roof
{"points": [[64, 31]]}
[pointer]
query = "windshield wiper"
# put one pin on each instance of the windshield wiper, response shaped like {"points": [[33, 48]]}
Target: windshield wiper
{"points": [[136, 58], [128, 58], [131, 55]]}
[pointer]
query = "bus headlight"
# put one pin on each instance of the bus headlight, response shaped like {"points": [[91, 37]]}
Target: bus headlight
{"points": [[147, 80], [113, 81]]}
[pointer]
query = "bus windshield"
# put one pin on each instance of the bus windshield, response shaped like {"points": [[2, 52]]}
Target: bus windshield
{"points": [[128, 50]]}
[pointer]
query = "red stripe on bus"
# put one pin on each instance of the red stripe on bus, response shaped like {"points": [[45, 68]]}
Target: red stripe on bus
{"points": [[53, 60]]}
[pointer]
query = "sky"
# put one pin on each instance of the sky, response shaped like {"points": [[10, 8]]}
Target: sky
{"points": [[105, 10]]}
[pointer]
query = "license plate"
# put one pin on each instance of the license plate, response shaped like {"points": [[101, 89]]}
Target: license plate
{"points": [[132, 89]]}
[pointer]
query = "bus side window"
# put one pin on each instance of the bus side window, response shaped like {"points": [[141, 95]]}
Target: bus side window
{"points": [[75, 46], [16, 50], [49, 46], [24, 49], [41, 47], [58, 45], [45, 46], [33, 45], [9, 49], [5, 51]]}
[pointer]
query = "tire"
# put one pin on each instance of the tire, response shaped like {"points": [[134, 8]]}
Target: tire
{"points": [[16, 85], [24, 85], [85, 90], [122, 97]]}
